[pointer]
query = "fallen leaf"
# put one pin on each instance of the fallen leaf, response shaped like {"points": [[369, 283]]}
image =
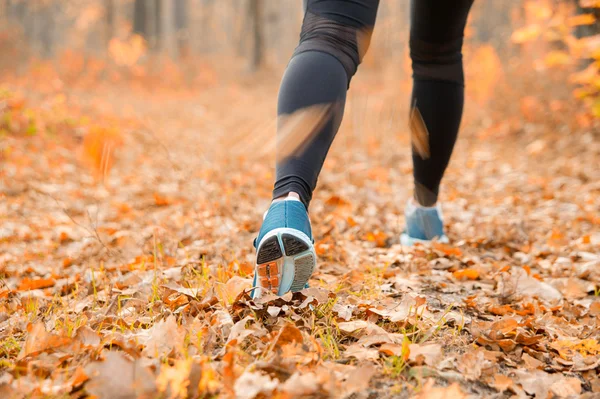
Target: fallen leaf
{"points": [[595, 309], [430, 391], [502, 383], [250, 384], [470, 364], [431, 354], [466, 274], [35, 284], [173, 381], [361, 353], [38, 340], [162, 338], [360, 327], [531, 362], [517, 281], [289, 334], [232, 288], [358, 379], [118, 377], [301, 385], [566, 387], [567, 349]]}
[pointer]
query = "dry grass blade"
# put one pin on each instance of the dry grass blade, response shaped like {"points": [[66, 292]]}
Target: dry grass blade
{"points": [[419, 134]]}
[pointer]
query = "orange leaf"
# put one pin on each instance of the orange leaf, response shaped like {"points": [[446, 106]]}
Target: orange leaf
{"points": [[99, 146], [525, 34], [29, 284], [557, 58], [39, 340], [159, 200], [466, 274], [528, 309], [79, 377], [336, 200], [582, 19], [500, 310], [379, 238], [64, 237], [447, 249], [289, 334]]}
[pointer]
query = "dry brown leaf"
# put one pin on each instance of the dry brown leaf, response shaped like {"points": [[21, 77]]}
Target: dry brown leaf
{"points": [[162, 338], [232, 288], [358, 379], [520, 283], [360, 327], [239, 331], [535, 382], [289, 334], [251, 384], [595, 309], [531, 362], [119, 377], [502, 383], [429, 354], [432, 392], [503, 328], [173, 381], [39, 340], [301, 385], [361, 353], [471, 363], [566, 387]]}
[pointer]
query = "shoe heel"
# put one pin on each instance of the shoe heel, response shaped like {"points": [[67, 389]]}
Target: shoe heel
{"points": [[284, 262]]}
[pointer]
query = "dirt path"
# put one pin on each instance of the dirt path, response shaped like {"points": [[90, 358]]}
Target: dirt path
{"points": [[133, 286]]}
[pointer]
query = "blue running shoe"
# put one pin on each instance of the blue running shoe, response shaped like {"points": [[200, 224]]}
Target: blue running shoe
{"points": [[423, 224], [285, 253]]}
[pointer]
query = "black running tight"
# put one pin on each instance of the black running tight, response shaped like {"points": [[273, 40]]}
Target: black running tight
{"points": [[335, 36]]}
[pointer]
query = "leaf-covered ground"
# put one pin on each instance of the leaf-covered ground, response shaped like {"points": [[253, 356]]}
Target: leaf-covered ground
{"points": [[126, 227]]}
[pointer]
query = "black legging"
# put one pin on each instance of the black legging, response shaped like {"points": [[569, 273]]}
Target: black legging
{"points": [[335, 36]]}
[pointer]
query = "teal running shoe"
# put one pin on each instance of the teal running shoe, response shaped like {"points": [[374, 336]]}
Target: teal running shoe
{"points": [[285, 253], [423, 224]]}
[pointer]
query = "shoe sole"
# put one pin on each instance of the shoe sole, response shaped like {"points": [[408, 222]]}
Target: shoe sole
{"points": [[285, 260], [408, 241]]}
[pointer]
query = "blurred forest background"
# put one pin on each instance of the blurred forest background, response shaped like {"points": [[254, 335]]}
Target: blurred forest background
{"points": [[195, 39]]}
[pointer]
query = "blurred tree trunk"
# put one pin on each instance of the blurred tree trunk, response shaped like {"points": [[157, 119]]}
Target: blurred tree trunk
{"points": [[48, 28], [111, 16], [181, 26], [255, 10], [139, 18], [154, 22], [147, 21], [167, 28]]}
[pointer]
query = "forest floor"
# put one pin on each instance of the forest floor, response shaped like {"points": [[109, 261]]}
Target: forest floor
{"points": [[126, 227]]}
